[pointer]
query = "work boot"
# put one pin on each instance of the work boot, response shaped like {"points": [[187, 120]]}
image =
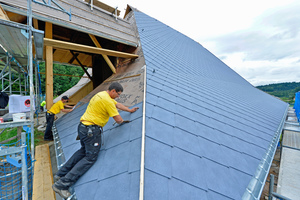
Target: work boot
{"points": [[63, 193]]}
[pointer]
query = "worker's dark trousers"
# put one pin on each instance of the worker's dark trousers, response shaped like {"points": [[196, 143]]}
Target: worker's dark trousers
{"points": [[82, 159], [48, 131]]}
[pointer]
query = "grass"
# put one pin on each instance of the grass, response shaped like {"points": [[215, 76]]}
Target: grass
{"points": [[11, 132]]}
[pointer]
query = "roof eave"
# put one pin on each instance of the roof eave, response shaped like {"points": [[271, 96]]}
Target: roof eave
{"points": [[256, 184], [68, 25]]}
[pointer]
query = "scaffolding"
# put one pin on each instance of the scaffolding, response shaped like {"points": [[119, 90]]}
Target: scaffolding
{"points": [[16, 160], [12, 75]]}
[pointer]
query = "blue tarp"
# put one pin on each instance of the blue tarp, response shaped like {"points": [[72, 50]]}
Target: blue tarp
{"points": [[297, 105]]}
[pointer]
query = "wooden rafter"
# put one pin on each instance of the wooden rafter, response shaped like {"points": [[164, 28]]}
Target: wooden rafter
{"points": [[111, 66], [88, 49], [3, 14], [73, 57], [87, 73], [49, 67], [35, 23]]}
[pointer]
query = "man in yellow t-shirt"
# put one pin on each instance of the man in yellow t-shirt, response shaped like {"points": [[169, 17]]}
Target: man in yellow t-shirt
{"points": [[100, 108], [50, 114], [42, 105]]}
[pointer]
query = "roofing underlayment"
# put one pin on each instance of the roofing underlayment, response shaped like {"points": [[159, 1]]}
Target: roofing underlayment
{"points": [[209, 134]]}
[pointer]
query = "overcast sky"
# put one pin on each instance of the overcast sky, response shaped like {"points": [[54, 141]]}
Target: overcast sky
{"points": [[259, 39]]}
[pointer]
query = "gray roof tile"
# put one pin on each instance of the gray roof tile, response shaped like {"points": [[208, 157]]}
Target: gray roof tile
{"points": [[207, 129], [217, 125], [159, 160]]}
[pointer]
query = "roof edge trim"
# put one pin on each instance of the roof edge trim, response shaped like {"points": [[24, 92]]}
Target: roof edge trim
{"points": [[256, 185], [142, 170]]}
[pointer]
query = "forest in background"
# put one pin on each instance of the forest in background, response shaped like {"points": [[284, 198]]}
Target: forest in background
{"points": [[284, 91], [67, 78]]}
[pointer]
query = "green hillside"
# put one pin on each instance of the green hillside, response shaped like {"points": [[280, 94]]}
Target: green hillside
{"points": [[285, 91]]}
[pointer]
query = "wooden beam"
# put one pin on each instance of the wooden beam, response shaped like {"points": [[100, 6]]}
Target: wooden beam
{"points": [[8, 140], [84, 48], [48, 30], [42, 179], [81, 65], [81, 93], [35, 23], [49, 68], [36, 26], [111, 66], [73, 58], [16, 17], [3, 14]]}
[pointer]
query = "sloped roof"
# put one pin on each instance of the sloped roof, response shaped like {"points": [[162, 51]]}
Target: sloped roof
{"points": [[118, 163], [207, 129]]}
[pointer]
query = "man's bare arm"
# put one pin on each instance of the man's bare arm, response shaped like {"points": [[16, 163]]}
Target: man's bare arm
{"points": [[118, 119], [125, 108], [67, 106], [66, 110]]}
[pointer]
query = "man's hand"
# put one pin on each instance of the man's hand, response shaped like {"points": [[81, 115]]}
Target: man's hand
{"points": [[133, 109], [123, 122], [125, 108]]}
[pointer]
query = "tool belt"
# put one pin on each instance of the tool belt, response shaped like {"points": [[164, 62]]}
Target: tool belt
{"points": [[49, 113], [89, 126]]}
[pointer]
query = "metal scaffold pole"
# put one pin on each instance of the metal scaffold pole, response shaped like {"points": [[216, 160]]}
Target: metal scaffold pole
{"points": [[24, 167], [31, 76]]}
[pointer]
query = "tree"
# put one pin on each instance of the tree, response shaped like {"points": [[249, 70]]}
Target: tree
{"points": [[61, 83]]}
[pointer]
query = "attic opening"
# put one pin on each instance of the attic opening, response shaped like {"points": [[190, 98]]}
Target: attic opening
{"points": [[101, 68], [99, 52]]}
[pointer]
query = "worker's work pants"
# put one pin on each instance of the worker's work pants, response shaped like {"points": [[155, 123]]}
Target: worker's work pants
{"points": [[83, 159], [48, 131]]}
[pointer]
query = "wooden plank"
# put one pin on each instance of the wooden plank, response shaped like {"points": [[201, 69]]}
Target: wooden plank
{"points": [[48, 30], [111, 66], [36, 26], [88, 49], [3, 14], [81, 93], [35, 23], [49, 67], [10, 139], [103, 6], [87, 73], [83, 19], [43, 177]]}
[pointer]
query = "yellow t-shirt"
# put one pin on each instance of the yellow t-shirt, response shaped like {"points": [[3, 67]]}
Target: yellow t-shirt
{"points": [[100, 108], [56, 107]]}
